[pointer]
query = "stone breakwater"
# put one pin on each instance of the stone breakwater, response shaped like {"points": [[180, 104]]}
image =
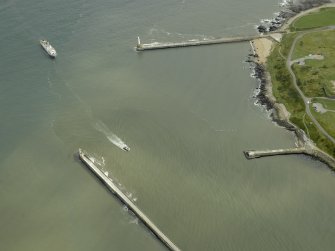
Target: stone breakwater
{"points": [[89, 162]]}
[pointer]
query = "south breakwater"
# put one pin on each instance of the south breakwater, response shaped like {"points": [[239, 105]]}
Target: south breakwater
{"points": [[86, 159]]}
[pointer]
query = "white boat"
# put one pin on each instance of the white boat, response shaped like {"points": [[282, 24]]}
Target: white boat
{"points": [[48, 48], [126, 148]]}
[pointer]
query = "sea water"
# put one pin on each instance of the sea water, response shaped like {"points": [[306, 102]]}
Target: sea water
{"points": [[187, 115]]}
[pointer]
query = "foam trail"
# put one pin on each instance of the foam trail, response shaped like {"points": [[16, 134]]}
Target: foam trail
{"points": [[101, 127]]}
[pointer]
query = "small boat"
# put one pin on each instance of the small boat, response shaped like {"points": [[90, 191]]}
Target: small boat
{"points": [[126, 148], [48, 48]]}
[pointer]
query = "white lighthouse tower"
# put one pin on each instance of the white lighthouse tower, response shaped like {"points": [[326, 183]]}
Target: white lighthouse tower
{"points": [[139, 42]]}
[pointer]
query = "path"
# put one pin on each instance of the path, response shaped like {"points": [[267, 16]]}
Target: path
{"points": [[306, 100]]}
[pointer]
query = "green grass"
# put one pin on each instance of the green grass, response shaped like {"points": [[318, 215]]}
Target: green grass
{"points": [[324, 17], [318, 42], [282, 85], [321, 141], [316, 76], [309, 81], [326, 120], [286, 43]]}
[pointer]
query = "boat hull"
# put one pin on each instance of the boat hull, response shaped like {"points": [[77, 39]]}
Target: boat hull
{"points": [[48, 48]]}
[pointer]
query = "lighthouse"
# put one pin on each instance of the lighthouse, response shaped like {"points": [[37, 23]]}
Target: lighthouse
{"points": [[139, 42]]}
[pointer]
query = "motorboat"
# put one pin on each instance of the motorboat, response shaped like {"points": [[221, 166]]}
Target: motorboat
{"points": [[48, 48]]}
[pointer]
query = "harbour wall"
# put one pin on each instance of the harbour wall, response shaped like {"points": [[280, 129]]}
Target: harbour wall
{"points": [[157, 46], [84, 157], [252, 154]]}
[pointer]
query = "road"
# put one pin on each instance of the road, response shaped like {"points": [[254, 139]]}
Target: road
{"points": [[306, 100]]}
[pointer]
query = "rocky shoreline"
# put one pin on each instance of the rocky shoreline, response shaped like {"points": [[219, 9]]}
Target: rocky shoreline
{"points": [[290, 9], [264, 97]]}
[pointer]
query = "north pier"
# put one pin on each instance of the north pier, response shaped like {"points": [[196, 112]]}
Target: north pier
{"points": [[157, 46]]}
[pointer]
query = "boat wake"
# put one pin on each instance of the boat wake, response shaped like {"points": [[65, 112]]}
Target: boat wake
{"points": [[113, 138]]}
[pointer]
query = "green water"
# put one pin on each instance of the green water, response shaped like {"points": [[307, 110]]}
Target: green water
{"points": [[187, 115]]}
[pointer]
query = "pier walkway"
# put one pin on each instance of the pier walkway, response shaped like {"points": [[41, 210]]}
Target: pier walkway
{"points": [[252, 154], [156, 46], [84, 157]]}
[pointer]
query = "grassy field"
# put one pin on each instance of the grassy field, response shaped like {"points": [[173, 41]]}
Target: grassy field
{"points": [[326, 120], [321, 141], [316, 77], [325, 17]]}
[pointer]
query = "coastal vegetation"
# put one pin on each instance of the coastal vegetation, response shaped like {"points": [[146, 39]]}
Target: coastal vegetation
{"points": [[313, 66], [282, 85], [326, 120]]}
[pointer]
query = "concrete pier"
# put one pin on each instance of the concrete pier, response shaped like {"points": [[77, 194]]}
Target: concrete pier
{"points": [[89, 162], [252, 154], [156, 46]]}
